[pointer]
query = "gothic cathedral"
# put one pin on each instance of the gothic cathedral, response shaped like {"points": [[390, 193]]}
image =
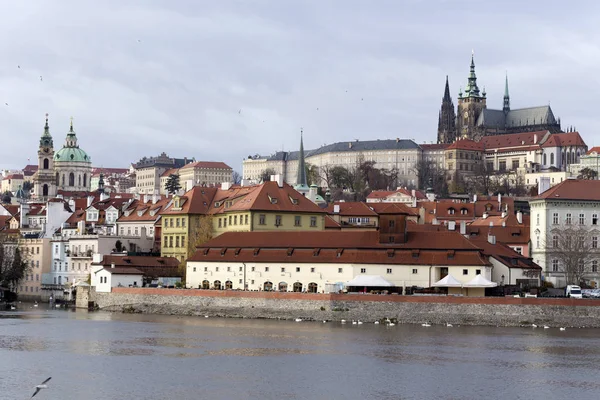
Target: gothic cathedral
{"points": [[474, 120]]}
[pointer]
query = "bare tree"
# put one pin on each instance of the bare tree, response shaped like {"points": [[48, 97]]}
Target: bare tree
{"points": [[571, 251], [430, 175], [483, 180], [265, 175], [587, 174], [201, 231], [312, 174], [236, 178]]}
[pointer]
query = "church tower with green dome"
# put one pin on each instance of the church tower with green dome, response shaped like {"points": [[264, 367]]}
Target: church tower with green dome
{"points": [[72, 165], [44, 182]]}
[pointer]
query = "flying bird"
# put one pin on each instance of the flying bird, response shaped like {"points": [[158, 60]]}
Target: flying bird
{"points": [[41, 78], [41, 386], [240, 111], [6, 103], [139, 41], [18, 66]]}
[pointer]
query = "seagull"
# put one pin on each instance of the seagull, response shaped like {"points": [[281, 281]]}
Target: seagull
{"points": [[376, 322], [563, 329], [546, 327], [41, 386], [240, 111], [18, 66], [6, 103], [353, 322], [426, 324], [533, 325], [13, 307], [391, 324], [324, 321], [139, 40], [449, 325], [206, 316], [41, 79], [298, 319], [317, 108], [343, 321], [359, 322]]}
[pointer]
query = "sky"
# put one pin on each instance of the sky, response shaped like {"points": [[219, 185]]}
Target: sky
{"points": [[222, 80]]}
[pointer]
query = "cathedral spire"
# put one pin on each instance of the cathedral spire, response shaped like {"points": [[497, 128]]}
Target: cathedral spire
{"points": [[447, 118], [46, 139], [472, 90], [301, 178], [71, 136], [447, 91], [506, 106]]}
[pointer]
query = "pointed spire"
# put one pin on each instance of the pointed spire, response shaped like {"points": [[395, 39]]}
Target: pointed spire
{"points": [[71, 128], [472, 90], [301, 178], [71, 136], [506, 106], [447, 91], [47, 127]]}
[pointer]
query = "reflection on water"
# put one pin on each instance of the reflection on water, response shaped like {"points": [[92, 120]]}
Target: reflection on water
{"points": [[124, 356]]}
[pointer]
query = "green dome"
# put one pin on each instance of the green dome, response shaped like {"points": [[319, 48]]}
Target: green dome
{"points": [[71, 154]]}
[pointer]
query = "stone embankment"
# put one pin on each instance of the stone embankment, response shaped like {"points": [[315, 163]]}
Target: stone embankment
{"points": [[495, 311]]}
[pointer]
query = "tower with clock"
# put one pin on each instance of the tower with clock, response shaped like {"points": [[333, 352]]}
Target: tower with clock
{"points": [[470, 105], [44, 180]]}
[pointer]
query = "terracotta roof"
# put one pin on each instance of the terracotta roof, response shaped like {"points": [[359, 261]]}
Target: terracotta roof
{"points": [[4, 221], [466, 144], [573, 189], [505, 255], [30, 168], [172, 171], [12, 209], [351, 209], [137, 207], [207, 165], [379, 194], [109, 171], [392, 209], [78, 215], [564, 139], [359, 247], [595, 149], [123, 271], [138, 261], [330, 223], [512, 140], [197, 200], [512, 233], [13, 176], [267, 196], [382, 194], [117, 203]]}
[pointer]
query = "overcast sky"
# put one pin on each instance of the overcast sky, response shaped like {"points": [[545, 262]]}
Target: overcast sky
{"points": [[142, 77]]}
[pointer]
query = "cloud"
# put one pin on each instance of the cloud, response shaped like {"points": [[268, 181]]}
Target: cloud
{"points": [[143, 77]]}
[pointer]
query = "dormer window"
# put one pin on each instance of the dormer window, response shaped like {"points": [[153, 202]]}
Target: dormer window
{"points": [[451, 211], [273, 200], [464, 211], [294, 201]]}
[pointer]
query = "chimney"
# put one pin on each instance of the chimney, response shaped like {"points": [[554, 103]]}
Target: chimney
{"points": [[451, 225], [279, 179], [312, 193], [104, 196], [155, 198], [534, 138], [430, 196], [485, 215], [146, 198], [491, 239], [474, 198], [413, 193], [519, 217], [349, 145], [225, 186], [499, 201], [112, 265], [245, 182], [463, 227], [336, 208], [503, 214], [90, 199]]}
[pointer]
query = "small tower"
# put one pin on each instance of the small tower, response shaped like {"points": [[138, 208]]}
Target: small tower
{"points": [[470, 105], [447, 118], [506, 105], [101, 183], [301, 180], [44, 180]]}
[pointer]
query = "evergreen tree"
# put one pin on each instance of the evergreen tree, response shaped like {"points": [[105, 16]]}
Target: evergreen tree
{"points": [[17, 270], [172, 185]]}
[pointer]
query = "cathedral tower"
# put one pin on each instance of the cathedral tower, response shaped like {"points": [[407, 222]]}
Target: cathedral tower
{"points": [[447, 118], [470, 106], [506, 105], [44, 181]]}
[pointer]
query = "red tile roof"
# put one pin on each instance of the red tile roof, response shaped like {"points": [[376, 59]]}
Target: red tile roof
{"points": [[392, 209], [466, 144], [132, 213], [13, 176], [564, 139], [434, 146], [197, 200], [595, 149], [351, 209], [207, 165], [522, 140], [505, 255], [138, 261], [172, 171], [330, 223], [573, 189], [123, 271]]}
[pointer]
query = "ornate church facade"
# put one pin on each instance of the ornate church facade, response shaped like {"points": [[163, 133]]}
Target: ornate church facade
{"points": [[473, 120], [68, 169]]}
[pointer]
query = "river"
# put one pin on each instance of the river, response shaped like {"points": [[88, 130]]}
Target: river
{"points": [[123, 356]]}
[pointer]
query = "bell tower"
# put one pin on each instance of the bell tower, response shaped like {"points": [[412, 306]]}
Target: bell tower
{"points": [[470, 105], [44, 180]]}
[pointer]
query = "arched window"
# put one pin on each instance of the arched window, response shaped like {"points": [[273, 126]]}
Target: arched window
{"points": [[282, 287], [45, 190], [297, 287], [63, 180], [57, 179], [268, 286], [46, 163], [228, 285], [312, 287], [85, 180], [71, 179], [218, 285], [205, 284], [551, 158], [545, 159], [79, 180]]}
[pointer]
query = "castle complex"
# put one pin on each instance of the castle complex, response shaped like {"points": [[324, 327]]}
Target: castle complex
{"points": [[473, 120]]}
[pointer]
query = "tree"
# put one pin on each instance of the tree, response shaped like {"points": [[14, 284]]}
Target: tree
{"points": [[172, 185], [587, 174], [312, 174], [265, 175], [236, 178], [6, 197], [571, 251], [13, 265], [27, 186], [201, 231], [430, 175], [483, 181]]}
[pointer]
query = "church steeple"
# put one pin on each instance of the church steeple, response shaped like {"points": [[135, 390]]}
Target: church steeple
{"points": [[46, 139], [506, 106], [301, 180], [472, 90], [71, 136], [447, 118]]}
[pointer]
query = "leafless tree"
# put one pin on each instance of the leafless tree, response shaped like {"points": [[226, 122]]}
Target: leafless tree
{"points": [[236, 178], [265, 175], [572, 251]]}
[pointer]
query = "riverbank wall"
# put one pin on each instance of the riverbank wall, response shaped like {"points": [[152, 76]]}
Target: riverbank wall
{"points": [[494, 311]]}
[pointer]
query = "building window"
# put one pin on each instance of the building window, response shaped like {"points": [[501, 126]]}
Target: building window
{"points": [[266, 269], [297, 269], [555, 218], [594, 265], [216, 269], [246, 219], [176, 241], [278, 220], [477, 272], [340, 270], [554, 241], [392, 223], [555, 265], [581, 219], [177, 222], [415, 270], [261, 219], [519, 250], [170, 241], [313, 222], [594, 219], [229, 222], [183, 222], [297, 220], [205, 269], [568, 219], [363, 270], [312, 269], [515, 164], [235, 219], [537, 219], [282, 269], [502, 165], [241, 269], [389, 271], [451, 211], [594, 242], [253, 269], [465, 272], [228, 269], [220, 224], [194, 269]]}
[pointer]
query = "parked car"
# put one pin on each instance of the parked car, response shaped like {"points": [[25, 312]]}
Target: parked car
{"points": [[573, 291]]}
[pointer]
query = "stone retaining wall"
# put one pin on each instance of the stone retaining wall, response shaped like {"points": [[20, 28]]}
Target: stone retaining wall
{"points": [[501, 311]]}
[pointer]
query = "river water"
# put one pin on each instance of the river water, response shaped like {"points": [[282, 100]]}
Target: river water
{"points": [[122, 356]]}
